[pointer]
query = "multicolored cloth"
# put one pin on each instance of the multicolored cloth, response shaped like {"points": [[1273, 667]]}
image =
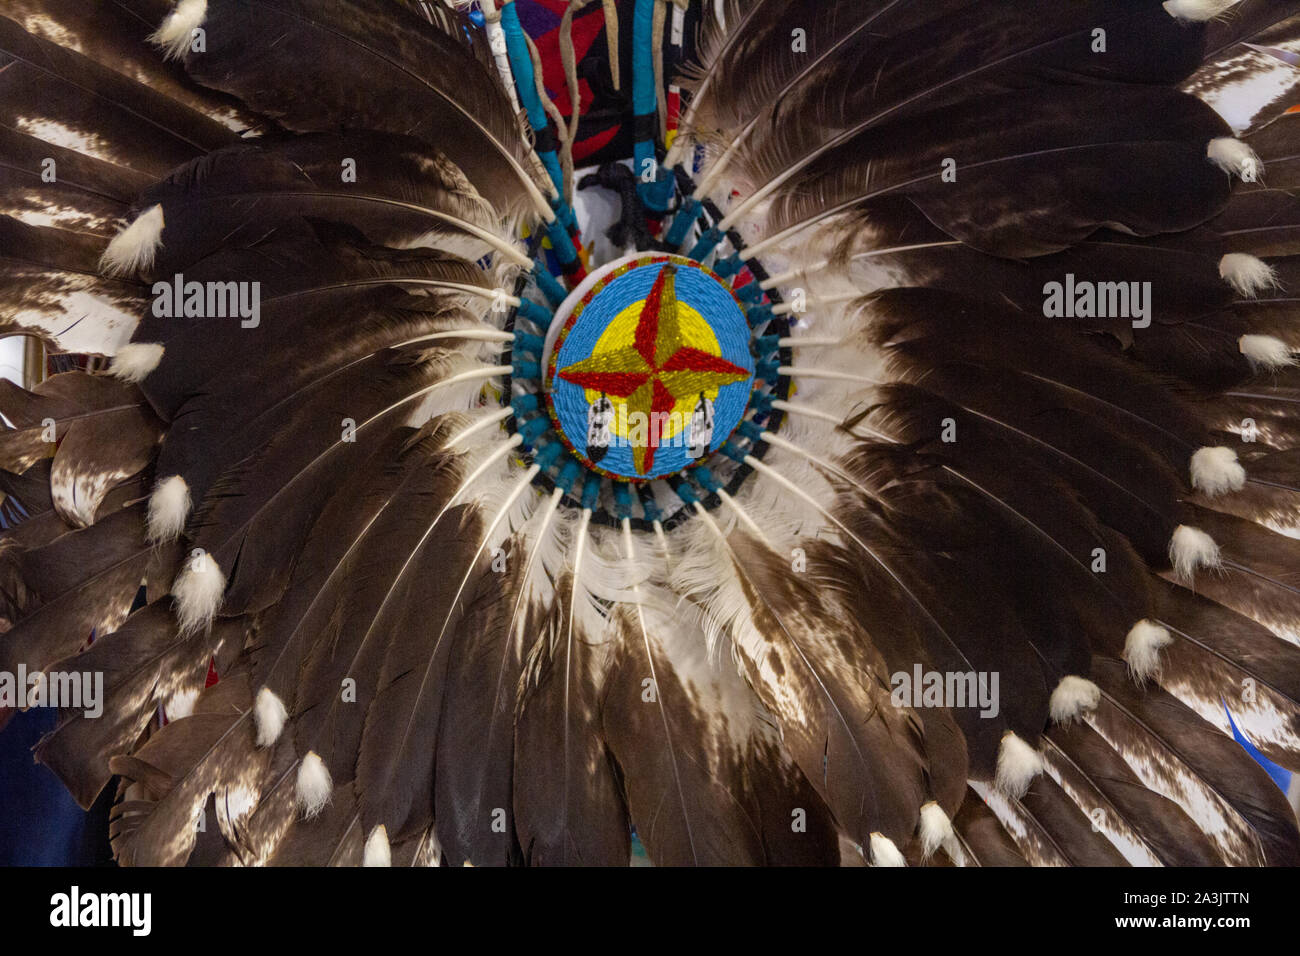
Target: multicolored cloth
{"points": [[604, 130]]}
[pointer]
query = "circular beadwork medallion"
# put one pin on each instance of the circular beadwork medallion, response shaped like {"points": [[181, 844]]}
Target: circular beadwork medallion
{"points": [[647, 368]]}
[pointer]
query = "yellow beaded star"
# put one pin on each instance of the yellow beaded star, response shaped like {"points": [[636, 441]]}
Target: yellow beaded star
{"points": [[657, 370]]}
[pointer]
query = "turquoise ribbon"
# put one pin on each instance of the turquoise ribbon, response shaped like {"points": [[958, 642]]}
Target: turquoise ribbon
{"points": [[521, 64], [645, 102]]}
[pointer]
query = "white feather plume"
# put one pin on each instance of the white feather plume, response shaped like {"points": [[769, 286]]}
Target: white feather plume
{"points": [[136, 246]]}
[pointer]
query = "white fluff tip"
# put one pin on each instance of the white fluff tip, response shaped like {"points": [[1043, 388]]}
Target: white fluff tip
{"points": [[176, 33], [1265, 352], [377, 853], [1247, 274], [936, 830], [1235, 158], [269, 715], [198, 590], [314, 785], [1216, 471], [169, 506], [1190, 550], [884, 852], [1142, 649], [134, 362], [1072, 696], [135, 247], [1197, 11], [1018, 765]]}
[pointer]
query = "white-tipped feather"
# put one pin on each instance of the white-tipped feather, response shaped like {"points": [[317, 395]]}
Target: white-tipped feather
{"points": [[378, 852], [1018, 765], [884, 852], [1235, 158], [1216, 471], [198, 590], [176, 33], [169, 507], [1197, 10], [136, 246], [1266, 352], [1191, 549], [134, 361], [1247, 274], [1073, 696], [181, 704], [269, 715], [314, 785], [936, 830], [1142, 649]]}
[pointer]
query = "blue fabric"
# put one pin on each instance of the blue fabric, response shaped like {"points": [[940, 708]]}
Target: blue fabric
{"points": [[40, 823]]}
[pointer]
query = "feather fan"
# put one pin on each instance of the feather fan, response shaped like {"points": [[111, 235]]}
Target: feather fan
{"points": [[447, 629]]}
